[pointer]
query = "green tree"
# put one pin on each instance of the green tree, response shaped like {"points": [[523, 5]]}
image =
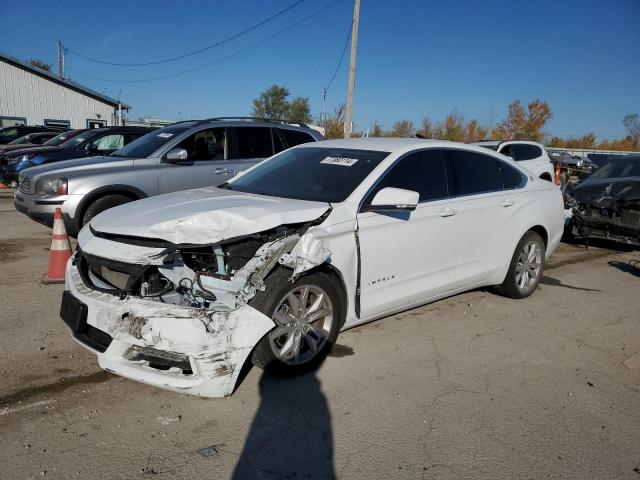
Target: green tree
{"points": [[40, 64], [272, 103], [299, 110]]}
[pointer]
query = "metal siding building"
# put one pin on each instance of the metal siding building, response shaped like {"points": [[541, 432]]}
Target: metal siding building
{"points": [[31, 96]]}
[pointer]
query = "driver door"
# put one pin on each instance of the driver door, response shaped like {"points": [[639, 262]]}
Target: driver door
{"points": [[206, 165], [408, 257]]}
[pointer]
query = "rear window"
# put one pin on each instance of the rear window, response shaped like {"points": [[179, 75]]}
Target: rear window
{"points": [[475, 173], [295, 137], [523, 151]]}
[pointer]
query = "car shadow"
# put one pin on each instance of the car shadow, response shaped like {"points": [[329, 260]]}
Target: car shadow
{"points": [[291, 434], [632, 267], [554, 282]]}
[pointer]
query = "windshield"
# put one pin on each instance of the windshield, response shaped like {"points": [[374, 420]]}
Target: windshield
{"points": [[19, 140], [317, 174], [149, 143], [619, 168], [60, 138], [78, 139]]}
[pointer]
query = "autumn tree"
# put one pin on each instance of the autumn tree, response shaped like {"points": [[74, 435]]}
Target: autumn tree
{"points": [[334, 123], [474, 132], [524, 125], [426, 130], [40, 64], [632, 124], [273, 103], [453, 127], [376, 130], [402, 128]]}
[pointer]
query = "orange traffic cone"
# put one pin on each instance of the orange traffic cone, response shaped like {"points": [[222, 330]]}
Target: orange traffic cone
{"points": [[59, 252], [2, 185], [557, 179]]}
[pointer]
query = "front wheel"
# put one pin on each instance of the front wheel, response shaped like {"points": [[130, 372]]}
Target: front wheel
{"points": [[308, 314], [525, 269]]}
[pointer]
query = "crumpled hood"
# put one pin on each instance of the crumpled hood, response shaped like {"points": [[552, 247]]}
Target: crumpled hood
{"points": [[205, 215], [607, 190]]}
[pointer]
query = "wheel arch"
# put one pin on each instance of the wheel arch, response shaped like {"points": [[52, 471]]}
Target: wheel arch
{"points": [[126, 190], [540, 230]]}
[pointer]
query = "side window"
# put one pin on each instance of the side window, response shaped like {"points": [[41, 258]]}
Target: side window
{"points": [[523, 151], [474, 173], [506, 151], [254, 142], [511, 178], [278, 146], [421, 172], [295, 137], [210, 144], [113, 141], [39, 139]]}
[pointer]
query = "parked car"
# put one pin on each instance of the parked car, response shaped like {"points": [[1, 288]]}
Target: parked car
{"points": [[92, 142], [530, 155], [179, 290], [177, 157], [574, 164], [607, 204], [9, 134], [8, 173], [28, 140]]}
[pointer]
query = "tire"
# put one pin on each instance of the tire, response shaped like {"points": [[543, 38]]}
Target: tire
{"points": [[520, 262], [102, 204], [271, 349]]}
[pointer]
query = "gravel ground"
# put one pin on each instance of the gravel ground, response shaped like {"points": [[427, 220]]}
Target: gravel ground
{"points": [[473, 387]]}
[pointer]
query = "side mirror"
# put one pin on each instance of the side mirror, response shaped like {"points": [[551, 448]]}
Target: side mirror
{"points": [[390, 198], [176, 155], [91, 148]]}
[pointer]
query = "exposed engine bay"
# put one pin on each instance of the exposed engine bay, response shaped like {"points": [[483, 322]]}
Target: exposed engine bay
{"points": [[222, 276], [610, 211]]}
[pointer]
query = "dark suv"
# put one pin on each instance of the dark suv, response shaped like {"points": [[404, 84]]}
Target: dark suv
{"points": [[9, 134], [181, 156]]}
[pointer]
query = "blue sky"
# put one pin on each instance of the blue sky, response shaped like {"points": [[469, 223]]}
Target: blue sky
{"points": [[415, 57]]}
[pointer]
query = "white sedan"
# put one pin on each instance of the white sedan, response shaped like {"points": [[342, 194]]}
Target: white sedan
{"points": [[181, 290]]}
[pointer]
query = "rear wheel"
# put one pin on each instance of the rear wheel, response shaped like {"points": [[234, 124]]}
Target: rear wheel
{"points": [[102, 204], [308, 314], [525, 269]]}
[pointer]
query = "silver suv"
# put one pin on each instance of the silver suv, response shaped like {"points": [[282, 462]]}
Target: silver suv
{"points": [[184, 155]]}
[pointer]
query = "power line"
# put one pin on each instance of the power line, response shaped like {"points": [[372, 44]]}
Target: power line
{"points": [[220, 60], [346, 44], [209, 47]]}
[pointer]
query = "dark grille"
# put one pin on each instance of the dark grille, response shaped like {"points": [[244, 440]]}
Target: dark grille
{"points": [[25, 184]]}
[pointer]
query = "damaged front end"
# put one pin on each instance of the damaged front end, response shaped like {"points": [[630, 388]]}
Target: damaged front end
{"points": [[178, 315], [607, 211]]}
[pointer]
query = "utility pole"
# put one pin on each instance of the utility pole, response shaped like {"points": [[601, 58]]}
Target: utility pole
{"points": [[323, 115], [60, 60], [352, 70]]}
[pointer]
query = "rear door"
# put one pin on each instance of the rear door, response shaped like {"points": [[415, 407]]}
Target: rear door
{"points": [[484, 208], [408, 257], [207, 162]]}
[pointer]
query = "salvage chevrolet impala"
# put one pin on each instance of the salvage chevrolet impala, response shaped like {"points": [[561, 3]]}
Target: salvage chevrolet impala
{"points": [[181, 290]]}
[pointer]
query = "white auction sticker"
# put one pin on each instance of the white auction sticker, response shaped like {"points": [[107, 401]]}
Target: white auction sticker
{"points": [[343, 161], [165, 135]]}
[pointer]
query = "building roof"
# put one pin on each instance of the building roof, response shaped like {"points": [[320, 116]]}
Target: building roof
{"points": [[64, 82]]}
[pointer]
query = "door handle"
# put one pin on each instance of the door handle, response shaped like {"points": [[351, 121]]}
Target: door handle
{"points": [[220, 171], [507, 203], [447, 212]]}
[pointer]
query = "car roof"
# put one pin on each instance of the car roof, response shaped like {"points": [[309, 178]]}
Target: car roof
{"points": [[245, 122], [384, 144]]}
